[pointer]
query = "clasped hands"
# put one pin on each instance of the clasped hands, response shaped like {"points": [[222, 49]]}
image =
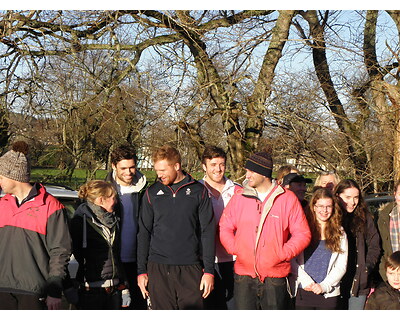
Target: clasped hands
{"points": [[314, 287]]}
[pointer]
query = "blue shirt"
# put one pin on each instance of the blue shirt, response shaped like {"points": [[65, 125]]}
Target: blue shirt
{"points": [[128, 229], [317, 261]]}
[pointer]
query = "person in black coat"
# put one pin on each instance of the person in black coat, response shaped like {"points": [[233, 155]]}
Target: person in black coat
{"points": [[176, 239], [95, 239], [364, 244]]}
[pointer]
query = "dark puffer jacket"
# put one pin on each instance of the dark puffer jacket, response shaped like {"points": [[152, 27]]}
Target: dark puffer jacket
{"points": [[98, 259], [384, 298]]}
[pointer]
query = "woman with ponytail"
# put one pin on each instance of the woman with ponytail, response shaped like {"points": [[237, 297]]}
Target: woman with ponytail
{"points": [[95, 232]]}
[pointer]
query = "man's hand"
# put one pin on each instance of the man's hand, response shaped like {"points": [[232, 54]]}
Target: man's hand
{"points": [[53, 303], [207, 284], [142, 281]]}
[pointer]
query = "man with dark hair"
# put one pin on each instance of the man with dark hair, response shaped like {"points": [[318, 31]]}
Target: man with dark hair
{"points": [[35, 244], [221, 189], [130, 184], [265, 227], [176, 246]]}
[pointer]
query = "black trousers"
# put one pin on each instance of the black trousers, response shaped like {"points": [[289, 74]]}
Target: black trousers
{"points": [[18, 301], [99, 299], [138, 303], [221, 298], [175, 287], [306, 300]]}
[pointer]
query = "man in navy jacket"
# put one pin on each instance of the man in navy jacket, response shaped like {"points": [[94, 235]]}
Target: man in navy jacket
{"points": [[176, 239]]}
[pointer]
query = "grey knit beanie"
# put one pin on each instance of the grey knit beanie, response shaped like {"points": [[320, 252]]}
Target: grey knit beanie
{"points": [[15, 164]]}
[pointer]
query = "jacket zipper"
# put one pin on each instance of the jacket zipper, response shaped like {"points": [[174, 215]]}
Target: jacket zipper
{"points": [[174, 193]]}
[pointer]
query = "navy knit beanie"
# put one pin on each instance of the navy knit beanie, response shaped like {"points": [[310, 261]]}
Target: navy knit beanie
{"points": [[261, 163]]}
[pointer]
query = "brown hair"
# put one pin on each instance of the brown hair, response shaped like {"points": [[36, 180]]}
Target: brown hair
{"points": [[358, 223], [393, 261], [332, 230], [167, 153], [283, 171], [93, 189], [211, 152], [123, 152]]}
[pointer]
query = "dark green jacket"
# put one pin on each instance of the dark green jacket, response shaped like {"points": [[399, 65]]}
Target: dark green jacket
{"points": [[383, 227], [384, 298]]}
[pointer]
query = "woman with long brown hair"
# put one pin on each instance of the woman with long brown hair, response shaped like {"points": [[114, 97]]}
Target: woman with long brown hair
{"points": [[364, 244], [318, 270]]}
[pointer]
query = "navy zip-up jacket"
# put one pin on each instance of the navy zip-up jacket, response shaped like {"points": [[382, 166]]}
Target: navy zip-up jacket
{"points": [[176, 227]]}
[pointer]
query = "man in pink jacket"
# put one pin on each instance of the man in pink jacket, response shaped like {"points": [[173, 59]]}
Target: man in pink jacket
{"points": [[265, 227]]}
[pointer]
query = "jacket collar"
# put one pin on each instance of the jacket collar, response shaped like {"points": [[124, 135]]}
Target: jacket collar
{"points": [[36, 196], [252, 192], [140, 179]]}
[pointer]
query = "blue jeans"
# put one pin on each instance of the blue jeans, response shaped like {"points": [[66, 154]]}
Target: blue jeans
{"points": [[252, 294]]}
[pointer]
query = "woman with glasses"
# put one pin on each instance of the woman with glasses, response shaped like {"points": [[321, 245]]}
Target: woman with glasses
{"points": [[364, 244], [316, 273]]}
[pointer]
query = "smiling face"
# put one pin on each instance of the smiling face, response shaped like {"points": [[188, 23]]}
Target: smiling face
{"points": [[393, 276], [349, 199], [215, 169], [125, 171], [167, 172], [323, 209]]}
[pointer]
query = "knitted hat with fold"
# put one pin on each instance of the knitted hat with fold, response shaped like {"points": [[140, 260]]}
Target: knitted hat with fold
{"points": [[15, 163], [261, 163]]}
